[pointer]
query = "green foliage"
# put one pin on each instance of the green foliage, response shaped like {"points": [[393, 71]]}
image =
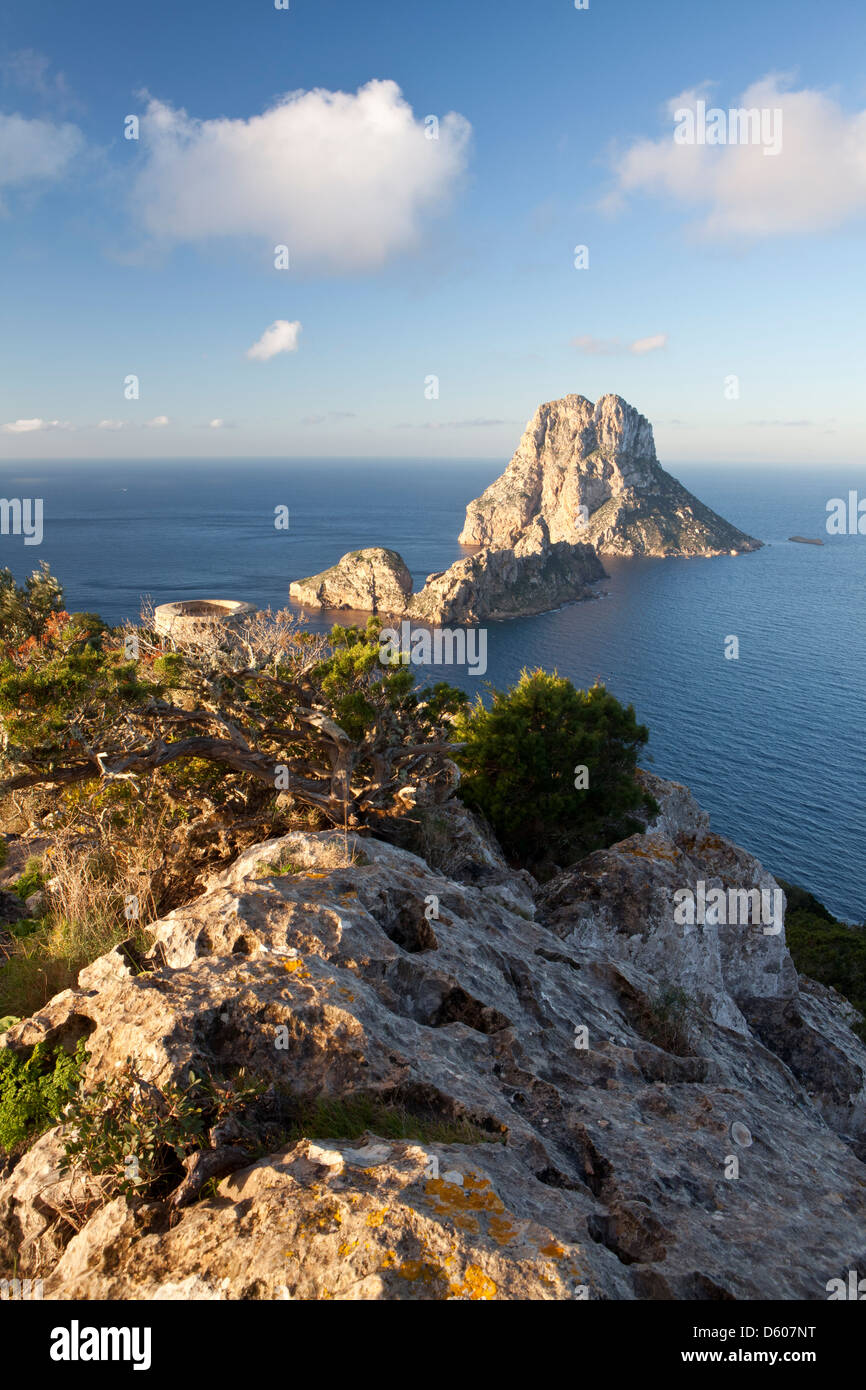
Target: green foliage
{"points": [[35, 1090], [519, 760], [350, 1117], [826, 949], [358, 686], [32, 878], [670, 1019], [126, 1118], [49, 953], [26, 609]]}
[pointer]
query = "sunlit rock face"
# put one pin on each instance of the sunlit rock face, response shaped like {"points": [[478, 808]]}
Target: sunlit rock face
{"points": [[590, 472], [653, 1108]]}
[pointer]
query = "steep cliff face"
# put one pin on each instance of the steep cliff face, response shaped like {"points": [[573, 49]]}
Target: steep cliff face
{"points": [[602, 458], [612, 1060]]}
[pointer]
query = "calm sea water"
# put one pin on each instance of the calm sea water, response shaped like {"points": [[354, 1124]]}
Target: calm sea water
{"points": [[773, 744]]}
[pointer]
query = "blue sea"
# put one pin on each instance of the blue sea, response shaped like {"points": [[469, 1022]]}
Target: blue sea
{"points": [[773, 744]]}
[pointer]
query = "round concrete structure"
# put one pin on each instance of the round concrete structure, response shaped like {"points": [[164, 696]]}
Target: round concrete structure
{"points": [[199, 619]]}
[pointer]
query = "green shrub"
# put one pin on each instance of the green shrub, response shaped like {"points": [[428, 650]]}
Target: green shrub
{"points": [[826, 949], [34, 1091], [137, 1135], [669, 1021], [350, 1117], [31, 880], [520, 761]]}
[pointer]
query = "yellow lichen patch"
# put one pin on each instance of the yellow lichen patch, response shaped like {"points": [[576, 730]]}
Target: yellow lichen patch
{"points": [[290, 1254], [473, 1180], [553, 1250], [310, 874], [322, 1220], [347, 1247], [290, 966], [450, 1198], [476, 1285], [500, 1229], [390, 1259], [466, 1223], [375, 1218], [424, 1270]]}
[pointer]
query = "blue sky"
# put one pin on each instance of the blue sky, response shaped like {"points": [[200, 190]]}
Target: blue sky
{"points": [[411, 257]]}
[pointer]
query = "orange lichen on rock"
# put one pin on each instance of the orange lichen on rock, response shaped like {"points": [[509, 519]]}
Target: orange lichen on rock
{"points": [[476, 1285]]}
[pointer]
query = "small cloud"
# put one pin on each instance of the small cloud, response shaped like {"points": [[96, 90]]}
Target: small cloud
{"points": [[596, 347], [222, 425], [157, 423], [111, 425], [642, 345], [35, 151], [32, 426], [331, 415], [608, 347], [787, 424], [452, 424], [282, 336], [31, 71]]}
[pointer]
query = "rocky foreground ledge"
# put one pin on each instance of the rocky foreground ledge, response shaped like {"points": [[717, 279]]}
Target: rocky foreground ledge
{"points": [[599, 1170]]}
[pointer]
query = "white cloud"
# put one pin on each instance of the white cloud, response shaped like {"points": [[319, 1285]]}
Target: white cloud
{"points": [[453, 425], [32, 426], [282, 336], [815, 182], [332, 415], [33, 151], [609, 347], [157, 422], [342, 179], [217, 425], [652, 344], [31, 70], [111, 425]]}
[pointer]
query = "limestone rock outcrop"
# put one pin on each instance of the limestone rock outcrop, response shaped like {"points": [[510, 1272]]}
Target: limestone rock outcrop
{"points": [[374, 580], [600, 1163], [533, 577], [601, 457]]}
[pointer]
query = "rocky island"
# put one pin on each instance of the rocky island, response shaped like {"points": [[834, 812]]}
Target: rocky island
{"points": [[531, 577], [584, 482], [591, 471]]}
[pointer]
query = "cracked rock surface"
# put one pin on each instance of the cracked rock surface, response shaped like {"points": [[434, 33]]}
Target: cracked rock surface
{"points": [[543, 1017]]}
